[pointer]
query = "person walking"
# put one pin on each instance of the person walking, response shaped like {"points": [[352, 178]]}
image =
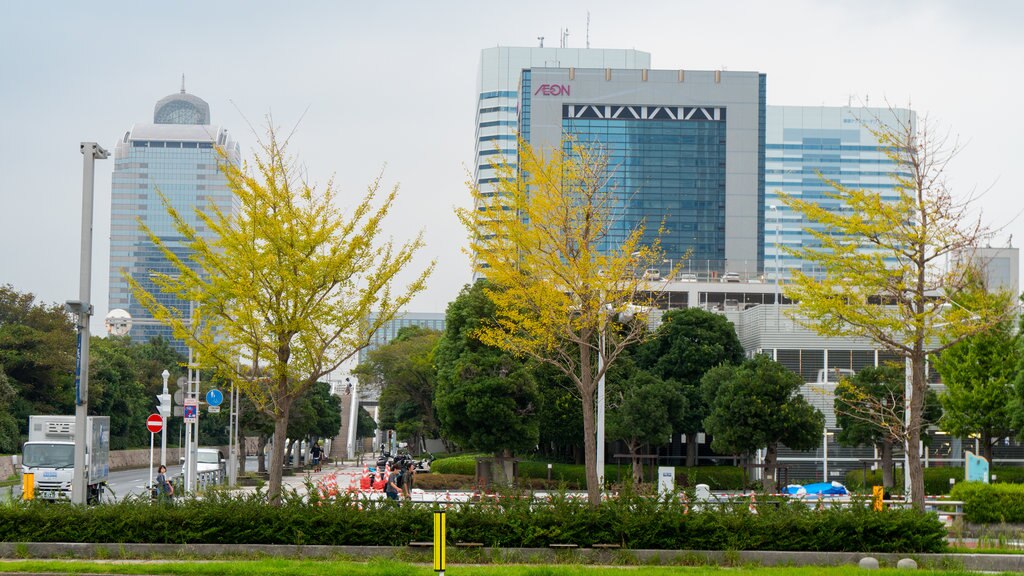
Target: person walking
{"points": [[393, 488], [164, 489], [317, 453]]}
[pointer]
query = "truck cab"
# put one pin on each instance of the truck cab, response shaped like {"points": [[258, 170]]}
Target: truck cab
{"points": [[49, 455]]}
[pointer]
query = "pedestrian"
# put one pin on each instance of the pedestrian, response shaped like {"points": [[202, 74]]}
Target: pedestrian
{"points": [[164, 489], [394, 486], [317, 453], [407, 477]]}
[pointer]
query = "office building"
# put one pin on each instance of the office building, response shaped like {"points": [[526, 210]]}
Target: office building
{"points": [[808, 143], [498, 79], [685, 151], [999, 267], [387, 332], [175, 155]]}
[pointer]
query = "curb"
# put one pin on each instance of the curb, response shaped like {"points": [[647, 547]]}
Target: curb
{"points": [[107, 551]]}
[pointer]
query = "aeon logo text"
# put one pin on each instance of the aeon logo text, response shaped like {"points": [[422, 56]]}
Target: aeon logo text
{"points": [[553, 90]]}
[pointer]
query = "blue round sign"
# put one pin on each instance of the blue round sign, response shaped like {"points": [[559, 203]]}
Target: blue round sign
{"points": [[214, 397]]}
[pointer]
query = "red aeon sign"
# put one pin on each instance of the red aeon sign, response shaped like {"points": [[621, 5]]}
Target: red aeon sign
{"points": [[553, 90], [154, 423]]}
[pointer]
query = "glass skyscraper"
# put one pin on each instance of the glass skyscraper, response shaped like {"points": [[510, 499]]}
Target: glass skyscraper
{"points": [[685, 150], [806, 143], [177, 156]]}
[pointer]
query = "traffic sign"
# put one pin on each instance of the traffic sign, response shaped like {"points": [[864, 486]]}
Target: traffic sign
{"points": [[214, 397], [154, 423], [213, 409], [191, 411]]}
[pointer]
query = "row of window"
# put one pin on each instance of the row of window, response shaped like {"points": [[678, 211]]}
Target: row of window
{"points": [[165, 144]]}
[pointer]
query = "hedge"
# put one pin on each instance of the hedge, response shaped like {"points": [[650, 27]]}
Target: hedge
{"points": [[574, 475], [991, 503], [936, 480], [631, 521]]}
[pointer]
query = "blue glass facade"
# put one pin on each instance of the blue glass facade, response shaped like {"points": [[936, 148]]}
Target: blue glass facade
{"points": [[179, 161], [806, 144], [664, 172]]}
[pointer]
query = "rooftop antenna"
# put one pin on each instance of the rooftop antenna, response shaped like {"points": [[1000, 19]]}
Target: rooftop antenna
{"points": [[588, 29], [565, 37], [183, 83], [541, 38]]}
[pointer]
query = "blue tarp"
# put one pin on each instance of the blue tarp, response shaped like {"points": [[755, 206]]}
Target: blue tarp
{"points": [[823, 488]]}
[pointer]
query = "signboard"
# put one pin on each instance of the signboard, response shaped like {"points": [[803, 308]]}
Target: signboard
{"points": [[977, 468], [213, 409], [191, 411], [154, 423], [666, 480], [214, 397]]}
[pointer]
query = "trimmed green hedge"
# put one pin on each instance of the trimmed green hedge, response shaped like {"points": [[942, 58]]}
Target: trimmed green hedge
{"points": [[991, 503], [574, 475], [633, 522], [936, 480]]}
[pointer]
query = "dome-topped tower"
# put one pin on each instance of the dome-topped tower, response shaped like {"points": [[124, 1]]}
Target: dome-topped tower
{"points": [[181, 108]]}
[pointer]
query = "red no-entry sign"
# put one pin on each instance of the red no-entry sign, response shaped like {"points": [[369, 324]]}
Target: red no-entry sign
{"points": [[154, 423]]}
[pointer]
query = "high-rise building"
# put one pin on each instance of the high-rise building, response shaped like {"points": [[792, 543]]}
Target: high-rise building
{"points": [[177, 156], [685, 151], [387, 332], [498, 79], [807, 143]]}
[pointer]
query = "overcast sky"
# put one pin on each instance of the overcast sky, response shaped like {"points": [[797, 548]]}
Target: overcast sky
{"points": [[392, 86]]}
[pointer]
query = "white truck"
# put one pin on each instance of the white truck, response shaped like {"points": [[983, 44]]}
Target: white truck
{"points": [[49, 454]]}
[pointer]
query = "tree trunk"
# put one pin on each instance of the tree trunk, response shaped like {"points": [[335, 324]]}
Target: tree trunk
{"points": [[691, 450], [886, 453], [587, 393], [261, 454], [919, 388], [277, 454], [241, 456], [986, 447], [768, 472], [634, 456]]}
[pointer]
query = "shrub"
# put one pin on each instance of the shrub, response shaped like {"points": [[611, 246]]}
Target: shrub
{"points": [[991, 503], [573, 476], [513, 520], [936, 480]]}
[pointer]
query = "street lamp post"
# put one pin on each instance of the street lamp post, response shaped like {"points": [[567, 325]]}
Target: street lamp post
{"points": [[165, 404], [91, 151]]}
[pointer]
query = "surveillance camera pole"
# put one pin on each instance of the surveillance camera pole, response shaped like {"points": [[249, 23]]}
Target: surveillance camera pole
{"points": [[91, 151]]}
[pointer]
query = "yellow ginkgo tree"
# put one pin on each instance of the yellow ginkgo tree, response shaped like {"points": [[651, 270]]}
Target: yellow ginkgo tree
{"points": [[288, 288], [563, 283], [893, 267]]}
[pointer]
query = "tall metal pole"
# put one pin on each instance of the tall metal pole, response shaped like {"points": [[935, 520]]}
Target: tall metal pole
{"points": [[163, 433], [353, 417], [600, 410], [187, 468], [91, 151]]}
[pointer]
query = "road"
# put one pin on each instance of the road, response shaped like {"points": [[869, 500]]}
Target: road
{"points": [[123, 483]]}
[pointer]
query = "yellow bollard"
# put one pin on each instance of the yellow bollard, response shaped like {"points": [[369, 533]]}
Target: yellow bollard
{"points": [[439, 541], [877, 495], [28, 486]]}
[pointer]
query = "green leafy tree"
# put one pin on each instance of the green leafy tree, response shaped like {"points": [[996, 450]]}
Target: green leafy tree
{"points": [[486, 399], [560, 416], [365, 426], [979, 374], [290, 284], [404, 371], [758, 405], [688, 343], [37, 352], [642, 410], [870, 412], [9, 438], [116, 390]]}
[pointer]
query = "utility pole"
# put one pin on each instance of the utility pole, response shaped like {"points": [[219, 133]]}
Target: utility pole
{"points": [[91, 151]]}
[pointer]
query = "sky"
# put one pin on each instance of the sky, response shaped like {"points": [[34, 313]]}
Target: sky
{"points": [[390, 88]]}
